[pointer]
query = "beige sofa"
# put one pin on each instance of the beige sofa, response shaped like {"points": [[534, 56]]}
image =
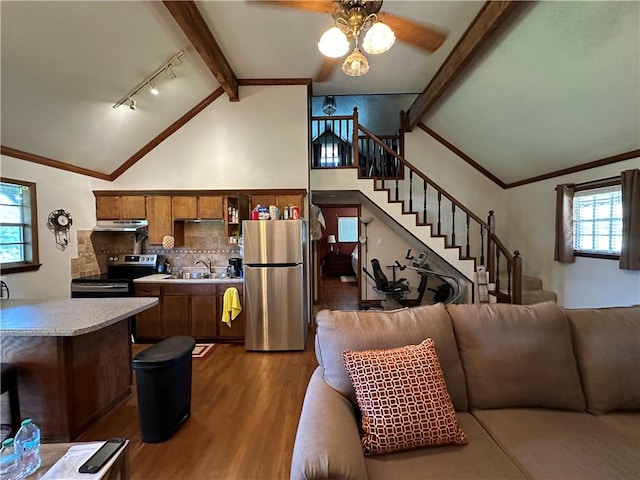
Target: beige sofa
{"points": [[541, 393]]}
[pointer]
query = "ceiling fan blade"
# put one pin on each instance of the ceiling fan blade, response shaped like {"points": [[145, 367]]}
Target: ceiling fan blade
{"points": [[421, 36], [321, 6], [326, 69]]}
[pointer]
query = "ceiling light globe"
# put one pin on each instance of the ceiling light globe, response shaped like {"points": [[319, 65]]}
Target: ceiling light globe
{"points": [[333, 43], [356, 64], [379, 38]]}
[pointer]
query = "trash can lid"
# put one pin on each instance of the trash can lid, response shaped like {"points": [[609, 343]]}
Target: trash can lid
{"points": [[164, 352]]}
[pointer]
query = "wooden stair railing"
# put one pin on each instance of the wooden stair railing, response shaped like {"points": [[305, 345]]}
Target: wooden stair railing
{"points": [[432, 206]]}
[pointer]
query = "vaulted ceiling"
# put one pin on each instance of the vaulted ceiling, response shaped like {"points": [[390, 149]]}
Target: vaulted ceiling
{"points": [[546, 87]]}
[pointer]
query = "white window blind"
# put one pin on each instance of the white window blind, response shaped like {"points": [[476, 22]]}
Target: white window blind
{"points": [[597, 220]]}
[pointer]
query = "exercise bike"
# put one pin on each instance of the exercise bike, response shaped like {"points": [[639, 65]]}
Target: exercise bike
{"points": [[447, 292]]}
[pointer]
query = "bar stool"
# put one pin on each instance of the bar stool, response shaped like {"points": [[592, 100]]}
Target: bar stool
{"points": [[9, 383]]}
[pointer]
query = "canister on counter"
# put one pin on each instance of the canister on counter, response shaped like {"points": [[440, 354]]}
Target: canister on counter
{"points": [[294, 212], [274, 212]]}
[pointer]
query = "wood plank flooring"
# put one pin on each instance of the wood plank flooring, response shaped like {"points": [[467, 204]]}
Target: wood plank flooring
{"points": [[244, 415], [245, 408]]}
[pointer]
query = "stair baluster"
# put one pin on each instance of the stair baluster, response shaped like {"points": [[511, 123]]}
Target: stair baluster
{"points": [[439, 204], [424, 203], [468, 246], [411, 191], [453, 224]]}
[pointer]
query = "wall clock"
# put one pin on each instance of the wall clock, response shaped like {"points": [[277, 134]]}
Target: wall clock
{"points": [[59, 223]]}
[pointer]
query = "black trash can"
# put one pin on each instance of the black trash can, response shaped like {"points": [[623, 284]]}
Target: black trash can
{"points": [[163, 378]]}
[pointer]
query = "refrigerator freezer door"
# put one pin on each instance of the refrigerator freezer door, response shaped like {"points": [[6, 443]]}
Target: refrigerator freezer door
{"points": [[272, 241], [275, 308]]}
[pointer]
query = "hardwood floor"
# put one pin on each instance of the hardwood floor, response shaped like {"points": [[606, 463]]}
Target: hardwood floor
{"points": [[245, 408], [337, 295]]}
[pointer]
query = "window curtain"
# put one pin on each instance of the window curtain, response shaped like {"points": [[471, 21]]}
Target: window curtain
{"points": [[563, 251], [630, 251]]}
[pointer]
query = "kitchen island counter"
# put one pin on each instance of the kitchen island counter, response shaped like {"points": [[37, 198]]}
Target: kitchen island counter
{"points": [[72, 356], [67, 316]]}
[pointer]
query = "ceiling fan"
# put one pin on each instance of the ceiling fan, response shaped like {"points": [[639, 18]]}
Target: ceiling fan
{"points": [[359, 18]]}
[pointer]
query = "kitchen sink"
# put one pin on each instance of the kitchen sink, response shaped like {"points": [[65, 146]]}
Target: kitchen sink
{"points": [[188, 276]]}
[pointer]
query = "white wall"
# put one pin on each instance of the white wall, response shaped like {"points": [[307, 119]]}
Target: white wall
{"points": [[456, 176], [588, 282], [259, 142], [55, 189]]}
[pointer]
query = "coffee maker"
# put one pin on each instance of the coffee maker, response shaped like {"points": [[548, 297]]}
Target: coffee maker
{"points": [[235, 267]]}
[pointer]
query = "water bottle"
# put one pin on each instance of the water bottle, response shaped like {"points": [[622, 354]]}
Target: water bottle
{"points": [[28, 445], [10, 461]]}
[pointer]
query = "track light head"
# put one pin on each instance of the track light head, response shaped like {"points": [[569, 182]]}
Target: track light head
{"points": [[153, 89], [132, 103]]}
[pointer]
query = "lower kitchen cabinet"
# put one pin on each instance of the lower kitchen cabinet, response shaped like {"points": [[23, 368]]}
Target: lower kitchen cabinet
{"points": [[236, 330], [187, 309], [204, 316], [148, 323]]}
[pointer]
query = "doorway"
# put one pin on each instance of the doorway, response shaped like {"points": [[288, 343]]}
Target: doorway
{"points": [[336, 266]]}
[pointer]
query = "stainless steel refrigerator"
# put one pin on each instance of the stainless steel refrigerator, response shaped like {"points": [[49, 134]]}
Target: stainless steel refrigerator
{"points": [[275, 279]]}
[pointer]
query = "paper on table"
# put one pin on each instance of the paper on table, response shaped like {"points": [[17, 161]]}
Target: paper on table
{"points": [[67, 467]]}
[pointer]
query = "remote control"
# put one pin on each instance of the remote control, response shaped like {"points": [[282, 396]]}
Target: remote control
{"points": [[102, 456]]}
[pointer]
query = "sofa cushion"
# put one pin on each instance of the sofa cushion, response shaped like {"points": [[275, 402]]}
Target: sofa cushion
{"points": [[517, 356], [403, 398], [480, 459], [558, 444], [607, 345], [375, 330]]}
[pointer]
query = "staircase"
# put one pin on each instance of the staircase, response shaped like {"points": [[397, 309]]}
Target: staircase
{"points": [[420, 205]]}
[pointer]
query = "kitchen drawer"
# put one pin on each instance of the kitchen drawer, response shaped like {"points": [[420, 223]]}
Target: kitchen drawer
{"points": [[147, 289], [189, 289]]}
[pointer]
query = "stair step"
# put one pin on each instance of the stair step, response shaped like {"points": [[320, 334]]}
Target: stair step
{"points": [[531, 283], [530, 297]]}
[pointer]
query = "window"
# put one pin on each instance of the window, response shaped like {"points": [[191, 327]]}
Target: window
{"points": [[330, 156], [18, 226], [597, 221], [347, 229]]}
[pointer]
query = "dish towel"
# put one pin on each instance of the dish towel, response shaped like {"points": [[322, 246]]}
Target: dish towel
{"points": [[231, 307]]}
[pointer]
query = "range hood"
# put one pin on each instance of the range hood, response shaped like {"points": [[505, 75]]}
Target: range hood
{"points": [[120, 225]]}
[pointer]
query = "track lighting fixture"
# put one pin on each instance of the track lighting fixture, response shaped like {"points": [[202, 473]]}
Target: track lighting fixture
{"points": [[150, 82]]}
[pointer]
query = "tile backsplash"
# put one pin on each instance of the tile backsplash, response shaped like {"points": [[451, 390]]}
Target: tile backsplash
{"points": [[203, 240]]}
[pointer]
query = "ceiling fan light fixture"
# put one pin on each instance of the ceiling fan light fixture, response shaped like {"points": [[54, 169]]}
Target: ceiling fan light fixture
{"points": [[356, 64], [333, 43], [378, 39]]}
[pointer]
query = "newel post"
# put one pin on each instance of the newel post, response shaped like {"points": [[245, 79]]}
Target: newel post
{"points": [[491, 251], [517, 278], [356, 155]]}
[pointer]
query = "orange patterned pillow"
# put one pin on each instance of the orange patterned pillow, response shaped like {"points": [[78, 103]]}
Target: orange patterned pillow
{"points": [[403, 398]]}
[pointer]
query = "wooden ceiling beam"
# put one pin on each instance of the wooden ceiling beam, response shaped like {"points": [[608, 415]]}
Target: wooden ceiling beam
{"points": [[190, 20], [490, 17]]}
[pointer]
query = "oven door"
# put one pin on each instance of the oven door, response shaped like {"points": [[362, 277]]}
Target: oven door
{"points": [[80, 289]]}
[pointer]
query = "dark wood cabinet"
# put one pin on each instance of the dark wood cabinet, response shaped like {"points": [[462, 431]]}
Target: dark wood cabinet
{"points": [[193, 309], [337, 264], [236, 330], [148, 324]]}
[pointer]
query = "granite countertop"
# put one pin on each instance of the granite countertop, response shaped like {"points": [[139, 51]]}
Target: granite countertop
{"points": [[164, 278], [66, 317]]}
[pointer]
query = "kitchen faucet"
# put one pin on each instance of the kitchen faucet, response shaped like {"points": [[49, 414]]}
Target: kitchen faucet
{"points": [[206, 262]]}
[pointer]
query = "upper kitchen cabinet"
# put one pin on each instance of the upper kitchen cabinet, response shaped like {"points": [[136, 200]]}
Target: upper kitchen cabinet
{"points": [[236, 210], [120, 207], [159, 217], [184, 207], [210, 207]]}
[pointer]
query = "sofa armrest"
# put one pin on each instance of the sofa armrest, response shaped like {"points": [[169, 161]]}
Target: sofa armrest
{"points": [[327, 442]]}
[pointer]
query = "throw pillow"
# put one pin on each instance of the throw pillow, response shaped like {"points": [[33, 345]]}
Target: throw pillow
{"points": [[403, 398]]}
